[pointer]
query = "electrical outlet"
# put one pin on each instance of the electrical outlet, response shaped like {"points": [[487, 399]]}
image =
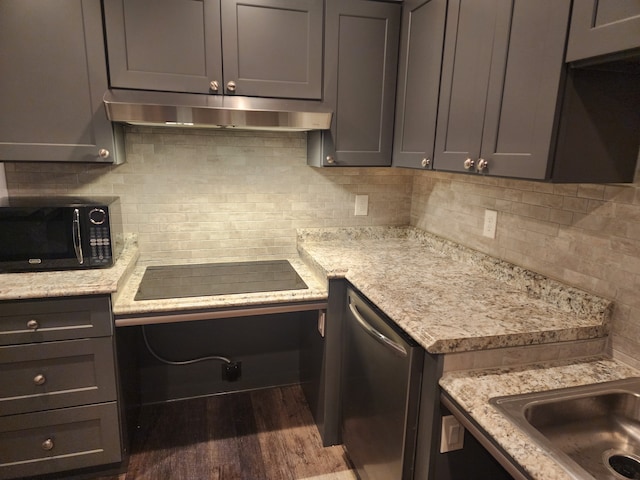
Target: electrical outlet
{"points": [[322, 317], [490, 223], [452, 435], [231, 371], [362, 205]]}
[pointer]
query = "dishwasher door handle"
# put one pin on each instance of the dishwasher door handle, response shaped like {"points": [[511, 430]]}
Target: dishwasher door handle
{"points": [[383, 339]]}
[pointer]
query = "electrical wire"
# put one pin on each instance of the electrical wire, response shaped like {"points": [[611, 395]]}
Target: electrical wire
{"points": [[180, 362]]}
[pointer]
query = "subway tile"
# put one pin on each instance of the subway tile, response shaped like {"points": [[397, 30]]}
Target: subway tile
{"points": [[210, 195], [620, 194], [595, 192]]}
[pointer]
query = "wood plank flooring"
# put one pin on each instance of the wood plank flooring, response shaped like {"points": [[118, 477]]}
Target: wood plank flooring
{"points": [[260, 435]]}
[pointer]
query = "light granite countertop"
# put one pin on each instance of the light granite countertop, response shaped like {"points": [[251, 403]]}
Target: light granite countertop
{"points": [[472, 390], [95, 281], [450, 298], [126, 305], [123, 279], [453, 299]]}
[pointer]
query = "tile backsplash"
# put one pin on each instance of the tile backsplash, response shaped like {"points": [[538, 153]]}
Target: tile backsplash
{"points": [[581, 234], [214, 195]]}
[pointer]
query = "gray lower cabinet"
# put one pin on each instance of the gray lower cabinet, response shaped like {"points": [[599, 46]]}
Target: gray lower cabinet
{"points": [[361, 55], [57, 440], [601, 27], [268, 48], [37, 321], [56, 374], [501, 77], [53, 77], [58, 400], [422, 39]]}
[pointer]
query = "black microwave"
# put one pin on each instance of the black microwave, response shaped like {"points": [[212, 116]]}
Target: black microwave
{"points": [[59, 233]]}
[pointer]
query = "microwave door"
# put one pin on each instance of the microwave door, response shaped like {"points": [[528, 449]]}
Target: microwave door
{"points": [[38, 238]]}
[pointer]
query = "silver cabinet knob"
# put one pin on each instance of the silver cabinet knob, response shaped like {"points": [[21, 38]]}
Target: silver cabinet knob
{"points": [[32, 324], [425, 162], [468, 164], [104, 153], [39, 379], [482, 165], [47, 444], [231, 86], [214, 85], [330, 159]]}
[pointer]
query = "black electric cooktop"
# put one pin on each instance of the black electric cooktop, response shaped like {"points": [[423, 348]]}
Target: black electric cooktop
{"points": [[179, 281]]}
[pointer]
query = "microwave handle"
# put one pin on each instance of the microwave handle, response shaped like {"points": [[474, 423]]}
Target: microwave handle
{"points": [[77, 239]]}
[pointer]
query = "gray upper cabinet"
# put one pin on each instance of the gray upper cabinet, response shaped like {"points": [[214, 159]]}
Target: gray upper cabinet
{"points": [[269, 48], [361, 57], [170, 45], [501, 79], [53, 78], [419, 69], [601, 27], [273, 48]]}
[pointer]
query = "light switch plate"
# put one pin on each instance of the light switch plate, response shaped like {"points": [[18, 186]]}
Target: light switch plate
{"points": [[362, 205]]}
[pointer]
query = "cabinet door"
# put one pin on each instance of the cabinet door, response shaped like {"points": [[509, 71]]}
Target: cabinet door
{"points": [[524, 87], [361, 57], [599, 27], [273, 48], [418, 82], [502, 73], [169, 45], [53, 78], [472, 27]]}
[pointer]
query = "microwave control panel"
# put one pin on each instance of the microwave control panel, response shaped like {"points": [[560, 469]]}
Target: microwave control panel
{"points": [[100, 244]]}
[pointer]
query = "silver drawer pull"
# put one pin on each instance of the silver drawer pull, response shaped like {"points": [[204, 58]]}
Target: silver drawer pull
{"points": [[32, 324], [39, 379], [47, 444]]}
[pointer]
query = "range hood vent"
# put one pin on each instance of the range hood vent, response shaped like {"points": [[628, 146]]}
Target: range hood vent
{"points": [[137, 107]]}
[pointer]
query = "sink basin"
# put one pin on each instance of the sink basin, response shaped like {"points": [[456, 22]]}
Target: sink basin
{"points": [[593, 431]]}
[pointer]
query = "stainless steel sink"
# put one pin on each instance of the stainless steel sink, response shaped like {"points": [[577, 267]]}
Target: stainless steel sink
{"points": [[593, 431]]}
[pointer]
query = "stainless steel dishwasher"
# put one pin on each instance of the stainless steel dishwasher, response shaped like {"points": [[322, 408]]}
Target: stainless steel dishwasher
{"points": [[382, 374]]}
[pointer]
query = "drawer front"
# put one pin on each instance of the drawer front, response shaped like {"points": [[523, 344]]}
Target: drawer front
{"points": [[43, 320], [42, 376], [58, 440]]}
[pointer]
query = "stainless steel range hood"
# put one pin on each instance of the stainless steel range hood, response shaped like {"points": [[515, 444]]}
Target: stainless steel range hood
{"points": [[224, 111]]}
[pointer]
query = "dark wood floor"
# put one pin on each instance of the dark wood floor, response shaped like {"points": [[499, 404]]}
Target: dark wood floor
{"points": [[260, 435]]}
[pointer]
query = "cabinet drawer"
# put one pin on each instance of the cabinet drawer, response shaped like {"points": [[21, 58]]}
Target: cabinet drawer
{"points": [[55, 375], [30, 321], [57, 440]]}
